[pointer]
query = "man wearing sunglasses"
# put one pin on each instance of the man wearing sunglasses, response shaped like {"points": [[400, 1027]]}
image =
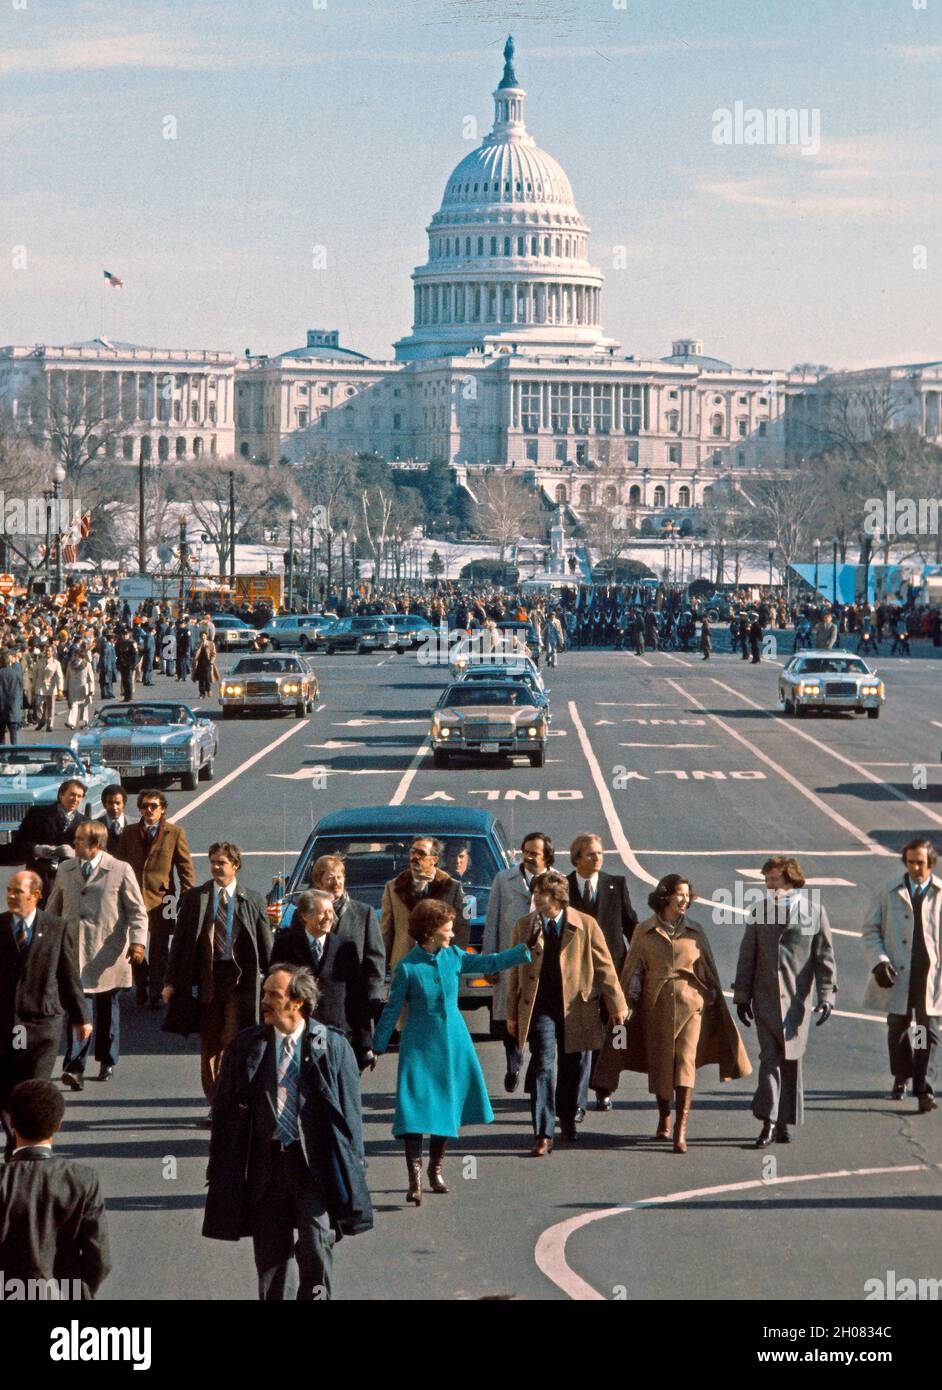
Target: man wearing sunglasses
{"points": [[158, 853]]}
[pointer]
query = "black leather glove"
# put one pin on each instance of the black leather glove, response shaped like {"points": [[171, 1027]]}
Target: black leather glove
{"points": [[884, 974], [367, 1060], [824, 1012], [376, 1009], [534, 938], [745, 1015]]}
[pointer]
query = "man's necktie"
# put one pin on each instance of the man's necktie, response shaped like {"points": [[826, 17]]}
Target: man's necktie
{"points": [[589, 895], [317, 947], [287, 1106], [20, 934], [87, 870], [220, 923]]}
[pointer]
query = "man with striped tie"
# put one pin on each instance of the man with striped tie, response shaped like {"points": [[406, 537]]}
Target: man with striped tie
{"points": [[221, 950], [286, 1162]]}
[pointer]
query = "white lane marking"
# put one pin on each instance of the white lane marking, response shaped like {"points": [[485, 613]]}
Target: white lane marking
{"points": [[729, 853], [308, 773], [667, 745], [922, 811], [635, 704], [640, 659], [337, 743], [319, 708], [859, 835], [886, 764], [361, 723], [550, 1252], [936, 722], [619, 839], [399, 795], [237, 772], [679, 659]]}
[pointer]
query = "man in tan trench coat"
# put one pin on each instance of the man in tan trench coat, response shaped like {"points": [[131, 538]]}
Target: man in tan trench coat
{"points": [[553, 1003], [99, 898]]}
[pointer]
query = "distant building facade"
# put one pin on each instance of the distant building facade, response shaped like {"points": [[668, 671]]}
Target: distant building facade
{"points": [[506, 365]]}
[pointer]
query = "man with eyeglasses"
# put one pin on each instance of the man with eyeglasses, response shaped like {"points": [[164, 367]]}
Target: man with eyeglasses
{"points": [[158, 852], [423, 879]]}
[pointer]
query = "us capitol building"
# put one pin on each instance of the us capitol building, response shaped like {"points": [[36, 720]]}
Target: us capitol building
{"points": [[507, 365]]}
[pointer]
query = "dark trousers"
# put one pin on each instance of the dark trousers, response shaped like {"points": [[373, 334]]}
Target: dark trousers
{"points": [[34, 1062], [555, 1078], [920, 1062], [290, 1268], [147, 675], [127, 683], [11, 727], [149, 975], [220, 1020], [779, 1092], [107, 688], [106, 1012], [512, 1052]]}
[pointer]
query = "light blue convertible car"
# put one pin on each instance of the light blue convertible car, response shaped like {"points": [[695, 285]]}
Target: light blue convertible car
{"points": [[30, 775], [162, 738]]}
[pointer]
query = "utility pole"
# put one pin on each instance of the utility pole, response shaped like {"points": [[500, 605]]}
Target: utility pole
{"points": [[141, 537], [183, 561]]}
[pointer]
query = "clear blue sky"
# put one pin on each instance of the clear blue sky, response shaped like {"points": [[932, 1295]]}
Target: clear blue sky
{"points": [[299, 126]]}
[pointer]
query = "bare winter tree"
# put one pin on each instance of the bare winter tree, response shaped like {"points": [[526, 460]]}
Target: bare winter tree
{"points": [[327, 481], [506, 510], [73, 420], [262, 496], [609, 531]]}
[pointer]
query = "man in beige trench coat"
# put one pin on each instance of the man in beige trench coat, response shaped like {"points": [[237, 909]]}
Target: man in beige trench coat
{"points": [[553, 1003], [99, 898]]}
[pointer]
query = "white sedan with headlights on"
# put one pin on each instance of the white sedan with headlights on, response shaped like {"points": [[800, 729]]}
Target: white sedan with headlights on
{"points": [[476, 719], [830, 680]]}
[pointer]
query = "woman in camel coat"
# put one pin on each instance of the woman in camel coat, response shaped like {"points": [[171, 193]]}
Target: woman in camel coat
{"points": [[678, 1018], [205, 671]]}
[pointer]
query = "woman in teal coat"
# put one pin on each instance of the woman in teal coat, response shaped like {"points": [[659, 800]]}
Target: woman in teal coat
{"points": [[440, 1085]]}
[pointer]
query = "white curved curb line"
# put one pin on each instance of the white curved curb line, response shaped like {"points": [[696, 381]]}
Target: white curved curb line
{"points": [[550, 1252]]}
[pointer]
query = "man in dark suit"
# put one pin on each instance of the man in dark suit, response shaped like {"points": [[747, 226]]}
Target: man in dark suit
{"points": [[52, 1216], [114, 820], [286, 1151], [39, 981], [158, 852], [11, 697], [220, 954], [604, 897], [345, 955], [47, 833]]}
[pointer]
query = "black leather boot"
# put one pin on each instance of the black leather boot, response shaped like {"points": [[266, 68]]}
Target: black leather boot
{"points": [[413, 1146], [436, 1152]]}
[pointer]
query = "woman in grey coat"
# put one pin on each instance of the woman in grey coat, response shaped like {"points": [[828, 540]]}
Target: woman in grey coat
{"points": [[786, 953]]}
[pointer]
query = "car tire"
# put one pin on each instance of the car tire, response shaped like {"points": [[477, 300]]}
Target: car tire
{"points": [[800, 711], [307, 645], [189, 780], [300, 710], [207, 771], [788, 705], [538, 759], [329, 651], [440, 757], [873, 713]]}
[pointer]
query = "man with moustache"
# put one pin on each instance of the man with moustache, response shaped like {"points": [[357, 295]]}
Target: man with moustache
{"points": [[511, 899], [158, 852]]}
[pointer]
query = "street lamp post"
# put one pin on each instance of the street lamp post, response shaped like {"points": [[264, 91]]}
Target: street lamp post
{"points": [[292, 518], [47, 498], [343, 562], [310, 566], [58, 478], [834, 545], [771, 561], [817, 554]]}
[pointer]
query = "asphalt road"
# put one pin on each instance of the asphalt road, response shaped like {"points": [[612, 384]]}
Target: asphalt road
{"points": [[679, 765]]}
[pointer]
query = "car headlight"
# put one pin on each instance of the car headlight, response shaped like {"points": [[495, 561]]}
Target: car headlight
{"points": [[809, 690], [291, 687], [443, 731], [535, 731], [871, 689], [232, 690]]}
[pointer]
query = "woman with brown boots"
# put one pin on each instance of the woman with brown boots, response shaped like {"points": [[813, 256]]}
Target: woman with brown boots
{"points": [[440, 1085], [678, 1018]]}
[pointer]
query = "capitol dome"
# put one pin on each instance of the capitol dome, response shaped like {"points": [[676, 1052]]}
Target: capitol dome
{"points": [[507, 268]]}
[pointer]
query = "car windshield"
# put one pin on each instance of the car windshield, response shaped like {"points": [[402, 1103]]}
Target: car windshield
{"points": [[142, 716], [266, 664], [833, 666], [371, 862], [477, 693], [37, 762], [473, 677], [368, 624]]}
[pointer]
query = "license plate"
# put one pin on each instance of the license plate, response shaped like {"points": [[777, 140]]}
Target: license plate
{"points": [[490, 747]]}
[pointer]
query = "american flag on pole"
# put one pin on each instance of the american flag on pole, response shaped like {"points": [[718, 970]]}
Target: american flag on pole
{"points": [[113, 280], [70, 538]]}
